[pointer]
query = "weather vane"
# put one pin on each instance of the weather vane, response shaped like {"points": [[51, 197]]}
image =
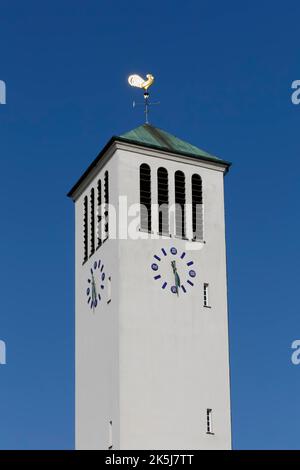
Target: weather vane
{"points": [[139, 82]]}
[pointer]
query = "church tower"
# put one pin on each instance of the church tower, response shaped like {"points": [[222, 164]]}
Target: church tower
{"points": [[152, 354]]}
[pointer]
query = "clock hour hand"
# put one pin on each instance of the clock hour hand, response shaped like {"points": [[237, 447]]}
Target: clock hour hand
{"points": [[176, 275], [94, 292], [94, 286]]}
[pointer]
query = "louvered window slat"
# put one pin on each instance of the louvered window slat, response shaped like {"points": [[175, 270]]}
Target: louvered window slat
{"points": [[197, 207], [92, 221], [180, 203], [145, 197], [85, 229], [106, 202], [163, 201], [99, 215]]}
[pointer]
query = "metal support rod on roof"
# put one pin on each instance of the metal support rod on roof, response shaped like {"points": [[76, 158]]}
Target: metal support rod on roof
{"points": [[139, 82], [146, 105], [146, 98]]}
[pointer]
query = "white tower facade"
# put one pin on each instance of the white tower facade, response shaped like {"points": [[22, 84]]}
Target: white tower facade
{"points": [[152, 353]]}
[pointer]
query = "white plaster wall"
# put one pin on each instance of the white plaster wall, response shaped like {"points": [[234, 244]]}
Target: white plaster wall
{"points": [[173, 351], [149, 361], [97, 372]]}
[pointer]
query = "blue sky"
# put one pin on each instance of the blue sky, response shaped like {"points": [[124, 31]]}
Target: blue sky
{"points": [[224, 72]]}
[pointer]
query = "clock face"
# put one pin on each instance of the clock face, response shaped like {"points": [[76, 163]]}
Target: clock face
{"points": [[95, 284], [173, 270]]}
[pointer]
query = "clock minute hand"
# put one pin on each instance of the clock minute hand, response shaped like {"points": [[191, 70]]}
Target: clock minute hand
{"points": [[94, 293], [94, 287], [176, 275]]}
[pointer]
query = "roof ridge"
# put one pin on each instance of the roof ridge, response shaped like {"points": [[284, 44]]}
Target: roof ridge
{"points": [[154, 138], [156, 132], [151, 135]]}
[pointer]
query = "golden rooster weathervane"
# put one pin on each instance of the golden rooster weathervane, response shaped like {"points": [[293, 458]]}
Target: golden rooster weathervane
{"points": [[138, 82]]}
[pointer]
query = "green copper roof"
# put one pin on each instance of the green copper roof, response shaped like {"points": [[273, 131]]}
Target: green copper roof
{"points": [[149, 136], [157, 138]]}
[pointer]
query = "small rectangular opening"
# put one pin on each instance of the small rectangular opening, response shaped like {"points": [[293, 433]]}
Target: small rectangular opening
{"points": [[206, 295], [209, 424], [109, 290], [110, 436]]}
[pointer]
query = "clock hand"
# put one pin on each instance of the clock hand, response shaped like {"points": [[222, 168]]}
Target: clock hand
{"points": [[94, 286], [176, 275], [94, 293]]}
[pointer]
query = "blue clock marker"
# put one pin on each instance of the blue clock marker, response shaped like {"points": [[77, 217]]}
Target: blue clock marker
{"points": [[95, 283], [173, 270]]}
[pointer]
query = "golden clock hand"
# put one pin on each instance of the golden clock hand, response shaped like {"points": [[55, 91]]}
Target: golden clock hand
{"points": [[94, 295], [176, 275], [94, 286]]}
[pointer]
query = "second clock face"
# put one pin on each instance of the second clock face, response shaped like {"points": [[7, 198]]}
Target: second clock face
{"points": [[173, 270], [95, 284]]}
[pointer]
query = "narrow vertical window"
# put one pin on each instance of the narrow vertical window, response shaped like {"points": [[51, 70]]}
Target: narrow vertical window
{"points": [[106, 202], [99, 214], [197, 207], [85, 229], [206, 294], [109, 290], [163, 201], [110, 436], [145, 197], [209, 427], [180, 203], [92, 221]]}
